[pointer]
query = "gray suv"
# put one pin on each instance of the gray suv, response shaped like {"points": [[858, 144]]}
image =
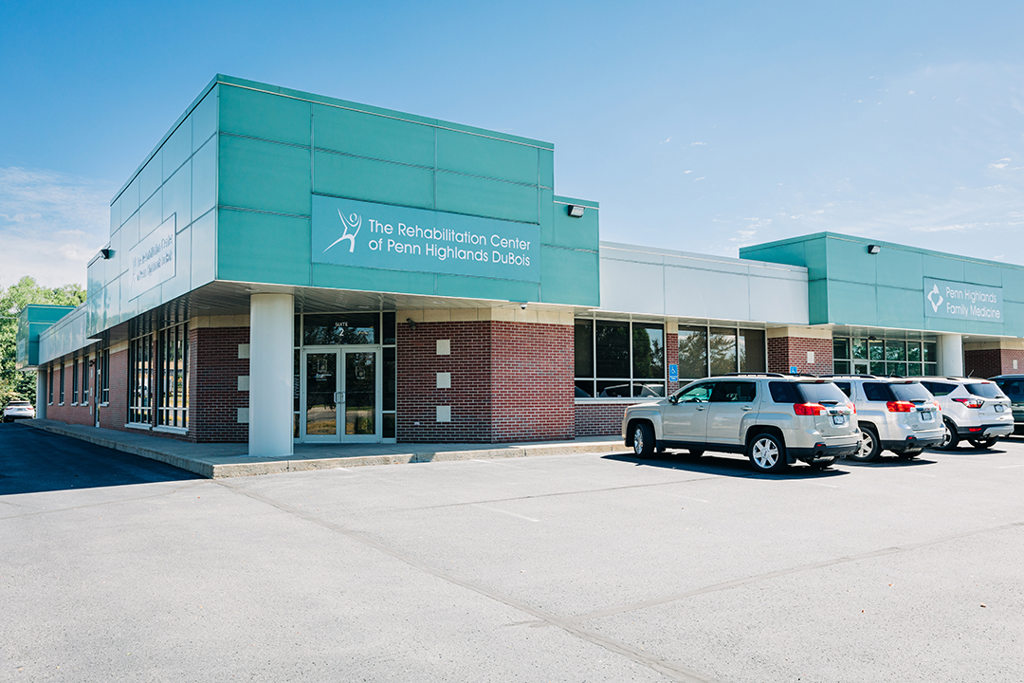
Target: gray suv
{"points": [[774, 419], [1013, 387]]}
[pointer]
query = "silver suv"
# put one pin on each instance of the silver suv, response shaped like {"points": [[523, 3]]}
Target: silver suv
{"points": [[973, 409], [774, 419], [897, 415], [1013, 387]]}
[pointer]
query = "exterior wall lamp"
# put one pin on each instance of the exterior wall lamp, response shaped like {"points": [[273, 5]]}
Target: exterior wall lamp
{"points": [[874, 249], [576, 211]]}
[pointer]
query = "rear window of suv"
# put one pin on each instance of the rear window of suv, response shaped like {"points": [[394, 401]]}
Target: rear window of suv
{"points": [[911, 391], [939, 388], [806, 392], [1014, 388], [985, 389], [878, 391]]}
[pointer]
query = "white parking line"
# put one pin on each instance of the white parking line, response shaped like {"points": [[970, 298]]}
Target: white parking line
{"points": [[506, 512], [1009, 467]]}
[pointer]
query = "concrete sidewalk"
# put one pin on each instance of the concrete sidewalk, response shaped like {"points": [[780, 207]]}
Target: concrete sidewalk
{"points": [[215, 460]]}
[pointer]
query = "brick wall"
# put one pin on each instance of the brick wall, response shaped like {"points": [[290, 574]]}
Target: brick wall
{"points": [[214, 398], [992, 362], [532, 382], [600, 419], [114, 415], [73, 414], [509, 382], [784, 352], [671, 358]]}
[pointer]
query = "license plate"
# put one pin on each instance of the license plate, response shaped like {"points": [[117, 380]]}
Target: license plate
{"points": [[838, 419], [927, 416], [999, 407]]}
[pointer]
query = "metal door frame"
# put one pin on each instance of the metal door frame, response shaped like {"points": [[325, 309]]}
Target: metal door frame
{"points": [[339, 351]]}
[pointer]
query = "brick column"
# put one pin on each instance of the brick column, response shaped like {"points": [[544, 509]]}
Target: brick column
{"points": [[987, 359], [795, 346]]}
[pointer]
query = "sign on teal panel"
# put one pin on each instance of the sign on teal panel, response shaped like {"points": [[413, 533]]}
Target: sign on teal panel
{"points": [[962, 301], [370, 235]]}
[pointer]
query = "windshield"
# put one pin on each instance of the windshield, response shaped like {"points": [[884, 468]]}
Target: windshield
{"points": [[825, 392], [985, 390], [1014, 388], [910, 392]]}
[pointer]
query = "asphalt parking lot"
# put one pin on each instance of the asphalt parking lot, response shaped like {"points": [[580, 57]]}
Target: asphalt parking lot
{"points": [[578, 567]]}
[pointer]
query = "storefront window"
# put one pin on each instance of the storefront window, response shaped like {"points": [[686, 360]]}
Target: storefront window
{"points": [[141, 380], [172, 345], [85, 379], [752, 351], [62, 383], [340, 328], [74, 382], [693, 352], [618, 359], [105, 376], [722, 350], [889, 357], [49, 389]]}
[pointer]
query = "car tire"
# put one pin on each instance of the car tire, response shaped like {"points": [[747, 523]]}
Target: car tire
{"points": [[643, 440], [767, 453], [823, 463], [870, 446], [909, 454], [950, 439], [695, 452], [983, 444]]}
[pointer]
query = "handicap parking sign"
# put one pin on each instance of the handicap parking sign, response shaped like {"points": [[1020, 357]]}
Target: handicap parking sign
{"points": [[673, 372]]}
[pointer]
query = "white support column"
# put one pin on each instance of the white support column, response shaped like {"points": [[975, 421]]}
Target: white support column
{"points": [[271, 321], [951, 355], [41, 394]]}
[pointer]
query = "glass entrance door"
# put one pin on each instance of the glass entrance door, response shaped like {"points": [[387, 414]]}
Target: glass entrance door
{"points": [[341, 392]]}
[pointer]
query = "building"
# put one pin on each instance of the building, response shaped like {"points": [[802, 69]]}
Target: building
{"points": [[286, 267]]}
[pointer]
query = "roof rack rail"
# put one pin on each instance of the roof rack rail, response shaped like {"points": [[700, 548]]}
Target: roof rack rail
{"points": [[857, 376], [755, 374]]}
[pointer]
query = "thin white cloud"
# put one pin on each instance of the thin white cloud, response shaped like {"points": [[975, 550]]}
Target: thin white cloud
{"points": [[698, 143], [666, 140], [51, 223], [687, 172], [1001, 163]]}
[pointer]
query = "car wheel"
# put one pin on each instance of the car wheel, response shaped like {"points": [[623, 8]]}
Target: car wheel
{"points": [[766, 453], [870, 446], [983, 444], [643, 439], [949, 436]]}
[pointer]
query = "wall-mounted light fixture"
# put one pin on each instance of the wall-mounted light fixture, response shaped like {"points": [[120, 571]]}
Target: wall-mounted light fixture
{"points": [[107, 253], [412, 323], [874, 249], [576, 211]]}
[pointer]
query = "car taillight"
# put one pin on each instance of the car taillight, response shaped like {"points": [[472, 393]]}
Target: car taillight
{"points": [[899, 406], [970, 402], [808, 408], [852, 407]]}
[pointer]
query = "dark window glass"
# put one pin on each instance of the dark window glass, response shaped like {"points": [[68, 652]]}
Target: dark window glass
{"points": [[876, 350], [820, 392], [914, 351], [723, 350], [693, 352], [878, 368], [896, 369], [985, 389], [49, 379], [939, 388], [172, 377], [85, 380], [613, 389], [841, 367], [341, 328], [584, 388], [74, 382], [860, 349], [931, 352], [895, 350], [62, 383], [910, 392], [296, 381], [751, 351], [878, 391], [584, 348], [388, 425], [390, 368], [140, 380], [914, 370], [734, 392], [840, 348], [843, 387], [388, 333], [648, 351], [612, 349], [648, 389], [784, 392], [105, 377]]}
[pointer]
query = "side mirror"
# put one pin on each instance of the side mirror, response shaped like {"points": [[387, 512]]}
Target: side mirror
{"points": [[673, 399]]}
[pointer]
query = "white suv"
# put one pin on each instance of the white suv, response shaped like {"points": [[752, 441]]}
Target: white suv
{"points": [[897, 415], [18, 409], [774, 419], [973, 409]]}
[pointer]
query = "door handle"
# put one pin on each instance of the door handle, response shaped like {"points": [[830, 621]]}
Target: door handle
{"points": [[748, 408], [700, 407]]}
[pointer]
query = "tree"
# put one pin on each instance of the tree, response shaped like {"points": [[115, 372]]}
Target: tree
{"points": [[13, 300]]}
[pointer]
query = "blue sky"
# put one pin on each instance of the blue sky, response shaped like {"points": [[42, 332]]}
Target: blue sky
{"points": [[698, 126]]}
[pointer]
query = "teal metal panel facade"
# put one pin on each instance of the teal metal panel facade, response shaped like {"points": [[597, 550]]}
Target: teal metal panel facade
{"points": [[277, 148], [32, 320], [849, 286]]}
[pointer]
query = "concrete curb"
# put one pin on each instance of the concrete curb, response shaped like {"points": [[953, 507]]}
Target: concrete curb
{"points": [[214, 467]]}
